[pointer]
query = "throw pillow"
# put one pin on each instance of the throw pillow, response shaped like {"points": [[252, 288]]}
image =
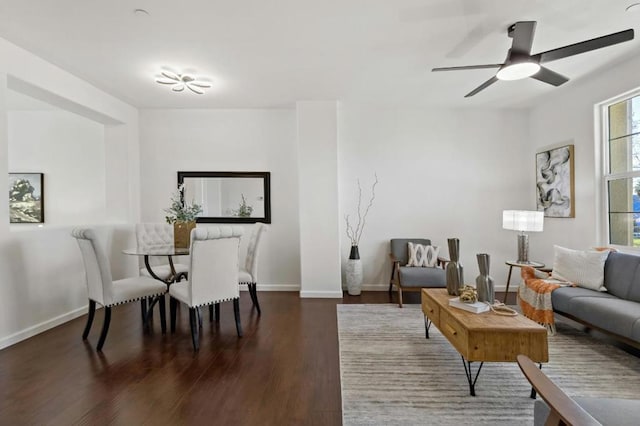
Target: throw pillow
{"points": [[582, 268], [422, 255]]}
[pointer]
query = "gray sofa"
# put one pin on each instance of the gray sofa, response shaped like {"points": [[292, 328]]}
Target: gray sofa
{"points": [[616, 311], [607, 411]]}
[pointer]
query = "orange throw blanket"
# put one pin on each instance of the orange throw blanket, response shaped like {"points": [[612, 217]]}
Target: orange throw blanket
{"points": [[534, 298]]}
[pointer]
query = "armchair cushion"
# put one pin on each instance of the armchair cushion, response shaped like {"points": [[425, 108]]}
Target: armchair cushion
{"points": [[422, 277]]}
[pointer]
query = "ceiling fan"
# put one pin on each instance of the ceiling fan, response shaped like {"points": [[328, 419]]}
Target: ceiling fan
{"points": [[520, 63]]}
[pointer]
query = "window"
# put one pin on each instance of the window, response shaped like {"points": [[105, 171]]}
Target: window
{"points": [[622, 171]]}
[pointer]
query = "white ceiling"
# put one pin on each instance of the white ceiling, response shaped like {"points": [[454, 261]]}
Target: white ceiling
{"points": [[270, 53]]}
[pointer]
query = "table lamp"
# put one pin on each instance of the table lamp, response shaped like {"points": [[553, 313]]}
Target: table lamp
{"points": [[523, 221]]}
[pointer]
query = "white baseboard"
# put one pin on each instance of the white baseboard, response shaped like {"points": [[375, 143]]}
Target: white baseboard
{"points": [[321, 294], [39, 328], [273, 287]]}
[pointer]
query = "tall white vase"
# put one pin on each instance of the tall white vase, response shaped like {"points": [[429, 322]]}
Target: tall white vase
{"points": [[353, 272], [354, 276]]}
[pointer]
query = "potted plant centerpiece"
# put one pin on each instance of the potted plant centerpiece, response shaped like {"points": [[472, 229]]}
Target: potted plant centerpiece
{"points": [[183, 217]]}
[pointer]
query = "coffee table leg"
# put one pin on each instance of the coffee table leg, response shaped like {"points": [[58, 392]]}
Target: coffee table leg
{"points": [[467, 370], [427, 325]]}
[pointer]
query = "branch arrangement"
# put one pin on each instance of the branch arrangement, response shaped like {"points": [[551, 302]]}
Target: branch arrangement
{"points": [[355, 234]]}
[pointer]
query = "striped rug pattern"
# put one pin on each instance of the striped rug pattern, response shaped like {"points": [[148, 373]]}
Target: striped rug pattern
{"points": [[391, 374]]}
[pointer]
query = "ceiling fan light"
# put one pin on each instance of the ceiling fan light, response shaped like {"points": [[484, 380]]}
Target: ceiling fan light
{"points": [[518, 70]]}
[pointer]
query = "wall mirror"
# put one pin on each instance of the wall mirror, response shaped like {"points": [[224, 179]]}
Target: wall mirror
{"points": [[229, 197]]}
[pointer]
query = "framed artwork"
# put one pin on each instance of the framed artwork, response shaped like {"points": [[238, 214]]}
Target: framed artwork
{"points": [[26, 198], [555, 187]]}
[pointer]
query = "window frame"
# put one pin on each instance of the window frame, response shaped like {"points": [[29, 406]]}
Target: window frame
{"points": [[602, 166]]}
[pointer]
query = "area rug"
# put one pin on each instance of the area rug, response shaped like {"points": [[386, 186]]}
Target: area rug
{"points": [[391, 374]]}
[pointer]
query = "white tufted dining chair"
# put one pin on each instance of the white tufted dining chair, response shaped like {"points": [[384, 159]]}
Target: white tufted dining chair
{"points": [[102, 289], [249, 274], [213, 276], [158, 234]]}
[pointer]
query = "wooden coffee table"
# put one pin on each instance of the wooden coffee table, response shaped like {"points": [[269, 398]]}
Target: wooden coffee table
{"points": [[485, 337]]}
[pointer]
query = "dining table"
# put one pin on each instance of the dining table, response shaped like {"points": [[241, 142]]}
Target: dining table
{"points": [[159, 250]]}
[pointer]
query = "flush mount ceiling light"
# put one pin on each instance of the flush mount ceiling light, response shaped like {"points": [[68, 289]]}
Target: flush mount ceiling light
{"points": [[180, 81]]}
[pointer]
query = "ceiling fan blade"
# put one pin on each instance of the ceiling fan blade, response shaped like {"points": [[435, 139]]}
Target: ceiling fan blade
{"points": [[482, 86], [178, 87], [584, 46], [551, 77], [522, 33], [468, 67]]}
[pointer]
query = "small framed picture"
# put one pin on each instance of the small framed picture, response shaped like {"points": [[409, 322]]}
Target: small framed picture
{"points": [[26, 197]]}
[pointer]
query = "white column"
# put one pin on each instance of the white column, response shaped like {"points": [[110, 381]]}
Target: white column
{"points": [[317, 137]]}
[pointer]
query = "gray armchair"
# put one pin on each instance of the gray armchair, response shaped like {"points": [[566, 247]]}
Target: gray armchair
{"points": [[409, 278]]}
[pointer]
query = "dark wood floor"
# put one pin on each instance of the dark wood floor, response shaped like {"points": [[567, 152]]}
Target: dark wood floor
{"points": [[284, 371]]}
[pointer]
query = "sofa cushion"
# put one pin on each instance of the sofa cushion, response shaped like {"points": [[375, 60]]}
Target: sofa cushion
{"points": [[399, 247], [583, 268], [561, 298], [622, 276], [422, 277], [611, 314], [607, 411]]}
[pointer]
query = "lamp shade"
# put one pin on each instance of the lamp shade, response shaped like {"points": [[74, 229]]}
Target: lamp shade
{"points": [[523, 220]]}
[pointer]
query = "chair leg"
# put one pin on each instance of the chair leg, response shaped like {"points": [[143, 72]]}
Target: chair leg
{"points": [[92, 312], [150, 311], [199, 314], [143, 309], [193, 322], [217, 310], [400, 296], [236, 313], [254, 292], [211, 313], [173, 305], [163, 314], [105, 327], [391, 280]]}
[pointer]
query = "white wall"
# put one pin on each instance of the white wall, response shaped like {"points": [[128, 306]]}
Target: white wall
{"points": [[567, 116], [41, 267], [49, 142], [442, 174], [228, 140]]}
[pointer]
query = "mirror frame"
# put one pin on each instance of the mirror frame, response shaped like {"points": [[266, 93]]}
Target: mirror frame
{"points": [[266, 179]]}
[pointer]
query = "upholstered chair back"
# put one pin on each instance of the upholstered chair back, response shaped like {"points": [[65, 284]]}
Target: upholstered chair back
{"points": [[98, 271], [400, 249], [251, 262], [154, 234], [213, 268]]}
